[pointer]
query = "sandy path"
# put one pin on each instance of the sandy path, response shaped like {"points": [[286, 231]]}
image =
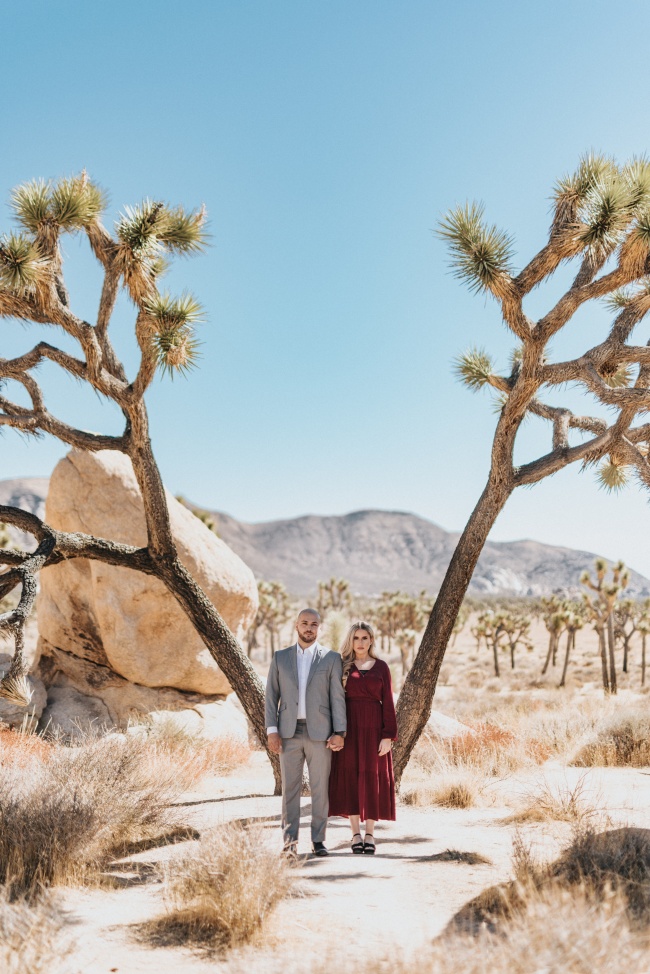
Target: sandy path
{"points": [[403, 897]]}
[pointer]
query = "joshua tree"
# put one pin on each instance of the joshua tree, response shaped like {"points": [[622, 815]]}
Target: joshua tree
{"points": [[334, 594], [33, 289], [644, 629], [400, 613], [517, 628], [599, 608], [273, 611], [628, 613], [601, 220], [554, 616], [490, 626], [574, 620]]}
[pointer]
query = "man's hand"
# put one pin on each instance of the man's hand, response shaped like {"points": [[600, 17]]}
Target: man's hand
{"points": [[335, 742], [385, 746], [275, 743]]}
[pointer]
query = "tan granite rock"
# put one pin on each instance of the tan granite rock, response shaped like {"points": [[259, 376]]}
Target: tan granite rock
{"points": [[123, 621]]}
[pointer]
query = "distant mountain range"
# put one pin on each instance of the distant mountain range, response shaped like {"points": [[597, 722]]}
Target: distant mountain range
{"points": [[375, 551]]}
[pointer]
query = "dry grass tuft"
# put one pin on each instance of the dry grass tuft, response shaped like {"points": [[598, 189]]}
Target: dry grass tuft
{"points": [[555, 804], [31, 938], [453, 789], [64, 818], [620, 741], [220, 894]]}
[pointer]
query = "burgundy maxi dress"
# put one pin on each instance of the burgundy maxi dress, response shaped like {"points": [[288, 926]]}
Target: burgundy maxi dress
{"points": [[361, 782]]}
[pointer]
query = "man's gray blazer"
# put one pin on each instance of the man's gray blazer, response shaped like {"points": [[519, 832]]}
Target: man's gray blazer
{"points": [[324, 698]]}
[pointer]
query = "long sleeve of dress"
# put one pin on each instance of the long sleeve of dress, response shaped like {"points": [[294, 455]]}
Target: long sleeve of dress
{"points": [[389, 718]]}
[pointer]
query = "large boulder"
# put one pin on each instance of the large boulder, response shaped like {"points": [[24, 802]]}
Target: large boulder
{"points": [[98, 623]]}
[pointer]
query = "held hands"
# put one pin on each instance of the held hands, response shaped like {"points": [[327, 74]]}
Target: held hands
{"points": [[385, 745], [335, 742]]}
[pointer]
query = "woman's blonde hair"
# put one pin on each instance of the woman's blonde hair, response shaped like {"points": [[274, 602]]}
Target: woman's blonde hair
{"points": [[347, 649]]}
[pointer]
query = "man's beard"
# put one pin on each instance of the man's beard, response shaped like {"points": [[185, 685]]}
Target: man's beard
{"points": [[307, 639]]}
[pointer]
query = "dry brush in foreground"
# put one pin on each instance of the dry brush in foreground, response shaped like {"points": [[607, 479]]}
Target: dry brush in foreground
{"points": [[220, 893], [64, 817]]}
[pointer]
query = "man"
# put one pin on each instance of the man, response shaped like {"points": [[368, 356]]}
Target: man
{"points": [[305, 721]]}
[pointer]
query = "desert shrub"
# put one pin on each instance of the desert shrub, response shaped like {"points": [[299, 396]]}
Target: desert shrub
{"points": [[557, 803], [64, 817], [556, 932], [618, 859], [221, 891], [19, 747], [31, 938], [620, 741], [490, 750], [200, 755], [456, 788]]}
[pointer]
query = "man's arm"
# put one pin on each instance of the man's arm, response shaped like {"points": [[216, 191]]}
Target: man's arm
{"points": [[337, 698], [271, 703]]}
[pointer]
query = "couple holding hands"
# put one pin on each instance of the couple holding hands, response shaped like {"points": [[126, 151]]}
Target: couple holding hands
{"points": [[335, 712]]}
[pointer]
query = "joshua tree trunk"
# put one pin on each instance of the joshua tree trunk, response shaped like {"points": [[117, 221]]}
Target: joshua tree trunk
{"points": [[495, 653], [512, 656], [552, 651], [416, 697], [611, 645], [603, 659], [626, 650], [570, 640], [643, 638]]}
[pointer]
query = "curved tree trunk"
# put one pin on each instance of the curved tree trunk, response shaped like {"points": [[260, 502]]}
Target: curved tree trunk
{"points": [[416, 697], [220, 642], [224, 649]]}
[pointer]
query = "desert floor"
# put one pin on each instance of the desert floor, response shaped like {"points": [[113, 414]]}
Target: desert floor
{"points": [[429, 863]]}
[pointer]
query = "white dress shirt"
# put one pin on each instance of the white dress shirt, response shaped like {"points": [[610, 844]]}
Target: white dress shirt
{"points": [[304, 660]]}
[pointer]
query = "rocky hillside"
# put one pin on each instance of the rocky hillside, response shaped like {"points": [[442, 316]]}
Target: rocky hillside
{"points": [[376, 551]]}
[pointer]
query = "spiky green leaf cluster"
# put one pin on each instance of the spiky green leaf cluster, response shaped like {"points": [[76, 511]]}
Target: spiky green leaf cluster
{"points": [[168, 314], [620, 379], [474, 368], [151, 228], [480, 254], [570, 191], [70, 204], [176, 350], [613, 476], [21, 264], [604, 215], [618, 299]]}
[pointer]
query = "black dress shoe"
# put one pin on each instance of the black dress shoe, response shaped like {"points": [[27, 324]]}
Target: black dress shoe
{"points": [[319, 849]]}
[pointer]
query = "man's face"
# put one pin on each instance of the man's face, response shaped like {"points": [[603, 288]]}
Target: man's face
{"points": [[307, 628]]}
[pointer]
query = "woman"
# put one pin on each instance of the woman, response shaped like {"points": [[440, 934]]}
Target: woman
{"points": [[362, 786]]}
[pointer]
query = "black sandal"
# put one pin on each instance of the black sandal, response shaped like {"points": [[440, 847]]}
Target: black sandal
{"points": [[369, 845], [357, 847]]}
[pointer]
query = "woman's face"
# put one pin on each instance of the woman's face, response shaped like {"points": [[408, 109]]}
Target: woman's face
{"points": [[361, 642]]}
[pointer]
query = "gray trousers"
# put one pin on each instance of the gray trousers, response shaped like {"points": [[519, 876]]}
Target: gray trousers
{"points": [[295, 751]]}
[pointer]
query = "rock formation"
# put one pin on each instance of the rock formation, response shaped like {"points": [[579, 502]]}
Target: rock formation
{"points": [[118, 636]]}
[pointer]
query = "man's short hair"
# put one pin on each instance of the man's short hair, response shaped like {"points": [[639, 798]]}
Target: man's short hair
{"points": [[311, 612]]}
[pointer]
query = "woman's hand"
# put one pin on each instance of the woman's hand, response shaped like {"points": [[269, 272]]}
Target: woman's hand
{"points": [[385, 745]]}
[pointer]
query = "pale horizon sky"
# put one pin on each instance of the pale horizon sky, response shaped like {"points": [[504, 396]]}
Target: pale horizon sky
{"points": [[326, 141]]}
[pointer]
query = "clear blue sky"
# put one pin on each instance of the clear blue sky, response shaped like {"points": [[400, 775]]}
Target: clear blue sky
{"points": [[326, 139]]}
